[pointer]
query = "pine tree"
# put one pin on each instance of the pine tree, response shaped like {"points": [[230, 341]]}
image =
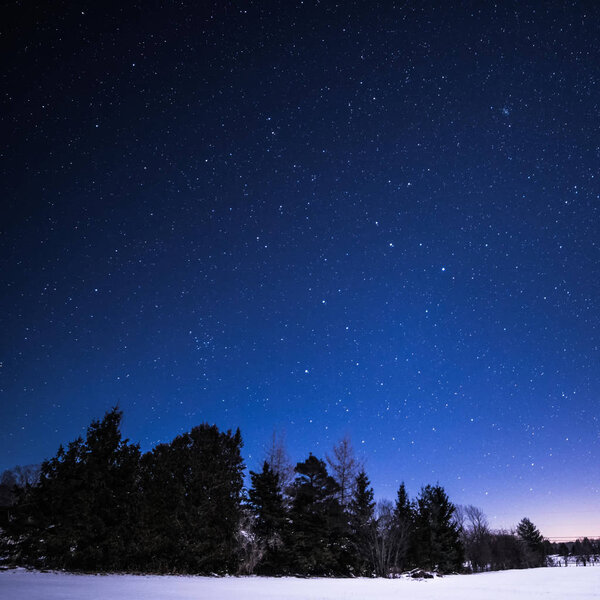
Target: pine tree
{"points": [[266, 502], [318, 530], [437, 540], [83, 512], [45, 518], [403, 524], [110, 498], [533, 543], [362, 517]]}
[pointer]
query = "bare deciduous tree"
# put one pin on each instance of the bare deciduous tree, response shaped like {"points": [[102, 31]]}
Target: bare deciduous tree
{"points": [[475, 534], [19, 476], [250, 548], [345, 467], [459, 517], [26, 475], [279, 461], [383, 539]]}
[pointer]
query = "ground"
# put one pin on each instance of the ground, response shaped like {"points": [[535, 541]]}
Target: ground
{"points": [[532, 584]]}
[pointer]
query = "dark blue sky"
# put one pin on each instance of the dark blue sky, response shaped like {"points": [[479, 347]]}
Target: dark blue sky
{"points": [[377, 218]]}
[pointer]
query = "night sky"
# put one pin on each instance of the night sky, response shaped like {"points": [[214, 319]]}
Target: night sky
{"points": [[367, 218]]}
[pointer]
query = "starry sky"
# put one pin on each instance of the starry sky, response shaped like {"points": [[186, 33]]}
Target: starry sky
{"points": [[378, 219]]}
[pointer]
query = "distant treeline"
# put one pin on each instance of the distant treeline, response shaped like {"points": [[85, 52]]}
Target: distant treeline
{"points": [[102, 505]]}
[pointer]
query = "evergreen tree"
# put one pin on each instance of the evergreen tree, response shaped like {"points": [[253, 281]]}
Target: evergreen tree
{"points": [[83, 512], [318, 530], [266, 502], [110, 489], [192, 501], [403, 524], [164, 527], [533, 543], [362, 523], [437, 540]]}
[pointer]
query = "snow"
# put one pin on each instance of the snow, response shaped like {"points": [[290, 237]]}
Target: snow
{"points": [[547, 583]]}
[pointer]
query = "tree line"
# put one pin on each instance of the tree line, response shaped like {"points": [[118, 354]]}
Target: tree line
{"points": [[102, 505]]}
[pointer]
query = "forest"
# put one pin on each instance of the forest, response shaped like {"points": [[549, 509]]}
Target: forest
{"points": [[101, 505]]}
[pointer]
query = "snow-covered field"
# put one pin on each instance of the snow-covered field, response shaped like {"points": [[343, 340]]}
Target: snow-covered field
{"points": [[547, 583]]}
